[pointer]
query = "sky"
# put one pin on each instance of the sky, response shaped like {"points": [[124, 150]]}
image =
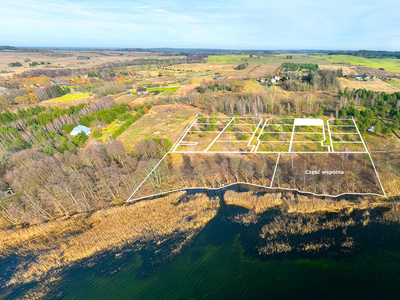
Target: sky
{"points": [[216, 24]]}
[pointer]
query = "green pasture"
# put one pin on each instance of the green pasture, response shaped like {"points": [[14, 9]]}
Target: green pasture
{"points": [[394, 82], [171, 89], [68, 97], [389, 64], [272, 59]]}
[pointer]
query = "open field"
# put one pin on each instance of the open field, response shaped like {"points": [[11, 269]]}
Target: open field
{"points": [[172, 89], [163, 121], [264, 69], [268, 60], [238, 74], [209, 68], [374, 85], [387, 63], [359, 70], [125, 98], [67, 98], [70, 61], [254, 87]]}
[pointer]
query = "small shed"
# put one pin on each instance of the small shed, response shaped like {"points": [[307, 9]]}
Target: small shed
{"points": [[80, 128], [141, 90], [371, 129]]}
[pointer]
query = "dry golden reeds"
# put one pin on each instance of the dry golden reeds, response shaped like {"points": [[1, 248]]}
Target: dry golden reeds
{"points": [[61, 242]]}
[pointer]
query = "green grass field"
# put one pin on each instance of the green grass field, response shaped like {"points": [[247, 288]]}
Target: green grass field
{"points": [[394, 82], [68, 97], [273, 59], [109, 131], [172, 89], [388, 64]]}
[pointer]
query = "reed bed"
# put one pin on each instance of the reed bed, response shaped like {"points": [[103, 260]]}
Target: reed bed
{"points": [[59, 243], [258, 204]]}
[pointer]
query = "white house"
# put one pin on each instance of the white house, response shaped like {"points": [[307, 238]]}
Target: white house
{"points": [[371, 129]]}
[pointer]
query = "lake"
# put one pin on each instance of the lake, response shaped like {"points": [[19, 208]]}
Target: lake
{"points": [[347, 255]]}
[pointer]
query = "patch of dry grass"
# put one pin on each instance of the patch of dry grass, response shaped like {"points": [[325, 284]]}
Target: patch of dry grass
{"points": [[59, 243], [251, 201], [163, 121], [374, 85]]}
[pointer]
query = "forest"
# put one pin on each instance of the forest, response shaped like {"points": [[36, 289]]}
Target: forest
{"points": [[369, 53]]}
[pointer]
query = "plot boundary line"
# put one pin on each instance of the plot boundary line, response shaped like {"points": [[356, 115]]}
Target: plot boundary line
{"points": [[254, 150], [177, 143], [276, 166], [209, 146], [256, 185], [369, 154]]}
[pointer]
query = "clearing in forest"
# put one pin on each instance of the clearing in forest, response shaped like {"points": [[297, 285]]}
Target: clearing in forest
{"points": [[318, 156]]}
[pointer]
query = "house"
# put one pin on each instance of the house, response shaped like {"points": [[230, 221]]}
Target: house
{"points": [[358, 77], [129, 94], [278, 77], [262, 80], [273, 80], [366, 78], [80, 128], [141, 90], [371, 129]]}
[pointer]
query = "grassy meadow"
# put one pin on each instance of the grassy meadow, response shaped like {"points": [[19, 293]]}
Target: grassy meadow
{"points": [[388, 64], [272, 59], [171, 89], [374, 85], [68, 97]]}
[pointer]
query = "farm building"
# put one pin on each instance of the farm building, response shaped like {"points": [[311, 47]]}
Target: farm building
{"points": [[278, 77], [80, 128], [141, 90]]}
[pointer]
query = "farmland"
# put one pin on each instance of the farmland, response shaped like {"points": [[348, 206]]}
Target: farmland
{"points": [[267, 59], [68, 97], [388, 64], [374, 85], [171, 89], [164, 121]]}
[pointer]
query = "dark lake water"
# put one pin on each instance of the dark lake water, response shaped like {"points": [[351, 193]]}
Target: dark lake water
{"points": [[223, 261]]}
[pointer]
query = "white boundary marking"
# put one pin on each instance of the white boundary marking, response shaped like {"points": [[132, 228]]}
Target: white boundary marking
{"points": [[256, 185], [209, 146], [177, 143], [181, 137], [369, 154], [276, 166]]}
